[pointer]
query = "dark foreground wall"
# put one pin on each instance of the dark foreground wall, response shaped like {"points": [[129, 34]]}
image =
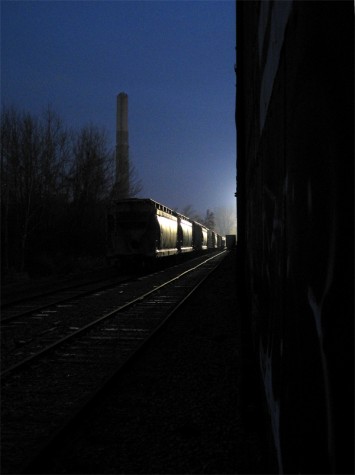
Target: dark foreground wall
{"points": [[296, 219]]}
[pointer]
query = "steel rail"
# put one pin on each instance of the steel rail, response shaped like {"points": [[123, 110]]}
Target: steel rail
{"points": [[46, 293], [83, 329], [83, 293], [43, 455]]}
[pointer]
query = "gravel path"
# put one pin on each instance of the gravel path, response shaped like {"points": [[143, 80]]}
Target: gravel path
{"points": [[182, 408]]}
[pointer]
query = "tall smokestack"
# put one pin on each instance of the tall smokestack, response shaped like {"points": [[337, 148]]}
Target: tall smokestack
{"points": [[122, 161]]}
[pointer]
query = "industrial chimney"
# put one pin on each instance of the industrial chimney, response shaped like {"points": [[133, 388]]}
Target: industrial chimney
{"points": [[122, 160]]}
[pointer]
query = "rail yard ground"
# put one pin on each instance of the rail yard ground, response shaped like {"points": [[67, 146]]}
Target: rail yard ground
{"points": [[190, 404]]}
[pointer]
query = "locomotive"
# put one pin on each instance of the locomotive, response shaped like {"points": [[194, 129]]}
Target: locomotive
{"points": [[143, 229]]}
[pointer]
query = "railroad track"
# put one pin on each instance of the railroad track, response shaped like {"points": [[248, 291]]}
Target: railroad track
{"points": [[43, 390], [41, 301], [28, 326], [26, 331]]}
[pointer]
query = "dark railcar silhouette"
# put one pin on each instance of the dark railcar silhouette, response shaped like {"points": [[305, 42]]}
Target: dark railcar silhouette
{"points": [[295, 111]]}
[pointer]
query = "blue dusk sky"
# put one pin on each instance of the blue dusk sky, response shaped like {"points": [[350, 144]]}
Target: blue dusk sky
{"points": [[174, 59]]}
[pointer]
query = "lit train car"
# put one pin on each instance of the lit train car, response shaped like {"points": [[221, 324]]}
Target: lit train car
{"points": [[143, 228], [221, 242], [199, 236], [184, 234], [212, 239]]}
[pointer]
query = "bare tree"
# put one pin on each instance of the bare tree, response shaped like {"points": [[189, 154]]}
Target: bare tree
{"points": [[135, 183], [10, 150], [191, 213], [90, 164], [89, 179], [31, 165], [226, 221], [55, 185], [28, 185], [54, 163], [209, 220], [55, 156]]}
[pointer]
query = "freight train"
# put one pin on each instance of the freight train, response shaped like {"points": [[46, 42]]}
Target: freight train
{"points": [[295, 201], [142, 230]]}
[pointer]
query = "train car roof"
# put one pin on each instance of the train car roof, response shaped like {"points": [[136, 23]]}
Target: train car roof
{"points": [[162, 207], [154, 203]]}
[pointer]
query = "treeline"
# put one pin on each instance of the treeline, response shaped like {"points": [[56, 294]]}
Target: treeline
{"points": [[222, 219], [55, 185]]}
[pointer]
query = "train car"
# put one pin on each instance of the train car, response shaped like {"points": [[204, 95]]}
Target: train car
{"points": [[295, 201], [199, 236], [231, 241], [185, 234], [143, 228], [211, 239], [220, 242]]}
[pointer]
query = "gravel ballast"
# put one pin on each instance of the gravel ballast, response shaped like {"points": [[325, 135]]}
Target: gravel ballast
{"points": [[183, 407]]}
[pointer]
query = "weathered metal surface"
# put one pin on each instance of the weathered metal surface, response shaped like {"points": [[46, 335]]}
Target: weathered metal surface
{"points": [[145, 228], [295, 220]]}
